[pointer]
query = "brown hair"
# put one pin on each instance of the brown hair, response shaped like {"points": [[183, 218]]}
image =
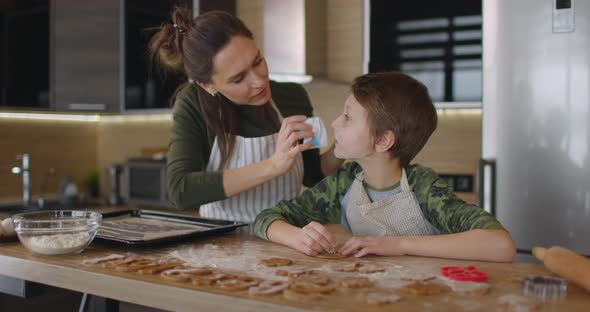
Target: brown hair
{"points": [[399, 103], [188, 46]]}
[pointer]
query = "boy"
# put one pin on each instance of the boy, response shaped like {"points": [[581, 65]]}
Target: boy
{"points": [[390, 206]]}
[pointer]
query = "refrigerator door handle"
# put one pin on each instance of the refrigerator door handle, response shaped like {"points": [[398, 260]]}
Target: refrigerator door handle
{"points": [[481, 166]]}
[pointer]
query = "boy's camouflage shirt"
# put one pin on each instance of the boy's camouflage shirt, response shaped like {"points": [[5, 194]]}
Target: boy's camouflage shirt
{"points": [[440, 206]]}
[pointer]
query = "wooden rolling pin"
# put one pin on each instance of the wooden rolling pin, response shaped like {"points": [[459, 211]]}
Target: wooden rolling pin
{"points": [[566, 264]]}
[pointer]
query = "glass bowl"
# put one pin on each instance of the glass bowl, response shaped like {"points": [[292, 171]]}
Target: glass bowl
{"points": [[56, 232]]}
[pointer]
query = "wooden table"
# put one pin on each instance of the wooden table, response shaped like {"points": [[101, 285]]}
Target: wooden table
{"points": [[239, 251]]}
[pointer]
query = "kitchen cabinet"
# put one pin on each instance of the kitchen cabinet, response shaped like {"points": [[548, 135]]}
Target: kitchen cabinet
{"points": [[100, 61], [86, 56], [85, 52], [24, 54], [82, 56], [143, 87]]}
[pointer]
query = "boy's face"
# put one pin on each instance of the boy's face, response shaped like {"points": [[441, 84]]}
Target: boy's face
{"points": [[352, 133]]}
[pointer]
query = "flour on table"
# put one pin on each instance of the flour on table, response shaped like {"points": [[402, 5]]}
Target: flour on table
{"points": [[416, 276], [518, 303], [229, 259]]}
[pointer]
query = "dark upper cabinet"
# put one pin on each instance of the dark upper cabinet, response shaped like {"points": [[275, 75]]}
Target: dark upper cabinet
{"points": [[100, 60], [24, 54], [145, 87], [86, 55]]}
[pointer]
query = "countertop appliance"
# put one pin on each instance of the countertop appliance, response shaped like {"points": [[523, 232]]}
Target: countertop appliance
{"points": [[145, 182], [536, 120]]}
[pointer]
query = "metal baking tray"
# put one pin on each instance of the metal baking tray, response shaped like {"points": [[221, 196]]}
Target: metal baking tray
{"points": [[147, 227]]}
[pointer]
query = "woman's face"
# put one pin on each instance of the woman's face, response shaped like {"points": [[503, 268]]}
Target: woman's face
{"points": [[352, 133], [240, 73]]}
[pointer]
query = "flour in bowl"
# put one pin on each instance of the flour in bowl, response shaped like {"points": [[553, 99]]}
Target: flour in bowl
{"points": [[57, 244]]}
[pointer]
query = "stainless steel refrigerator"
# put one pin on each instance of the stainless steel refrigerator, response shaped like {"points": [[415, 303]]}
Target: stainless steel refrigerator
{"points": [[535, 171]]}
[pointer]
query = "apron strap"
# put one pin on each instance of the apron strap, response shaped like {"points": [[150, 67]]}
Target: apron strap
{"points": [[272, 103], [405, 186], [404, 181]]}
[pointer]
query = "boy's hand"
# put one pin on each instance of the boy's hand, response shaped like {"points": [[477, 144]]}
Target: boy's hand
{"points": [[362, 246], [313, 239]]}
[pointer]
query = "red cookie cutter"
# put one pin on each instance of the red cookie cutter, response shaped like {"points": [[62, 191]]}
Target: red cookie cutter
{"points": [[464, 274]]}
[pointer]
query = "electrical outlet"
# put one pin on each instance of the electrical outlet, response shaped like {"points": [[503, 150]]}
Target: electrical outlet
{"points": [[459, 182]]}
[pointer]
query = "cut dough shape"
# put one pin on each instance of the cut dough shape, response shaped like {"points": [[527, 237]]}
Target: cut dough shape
{"points": [[331, 256], [268, 288], [310, 277], [346, 267], [382, 298], [416, 276], [355, 282], [100, 260], [135, 265], [160, 268], [184, 275], [423, 289], [207, 280], [292, 273], [370, 268], [113, 263], [237, 283], [275, 262]]}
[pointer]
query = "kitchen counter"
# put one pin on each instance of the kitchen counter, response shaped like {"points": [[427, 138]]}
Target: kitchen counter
{"points": [[239, 252]]}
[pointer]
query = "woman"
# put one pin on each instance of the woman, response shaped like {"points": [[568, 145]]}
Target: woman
{"points": [[234, 144]]}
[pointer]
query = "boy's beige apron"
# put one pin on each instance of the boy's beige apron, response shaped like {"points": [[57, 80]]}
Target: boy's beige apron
{"points": [[396, 215], [246, 205]]}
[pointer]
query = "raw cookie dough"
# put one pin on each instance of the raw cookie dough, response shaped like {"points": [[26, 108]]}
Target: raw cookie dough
{"points": [[370, 268], [238, 283], [414, 276], [331, 256], [268, 288], [275, 262], [355, 282], [310, 277], [160, 268], [292, 273], [207, 280], [114, 263], [184, 275], [95, 261], [134, 266], [346, 267]]}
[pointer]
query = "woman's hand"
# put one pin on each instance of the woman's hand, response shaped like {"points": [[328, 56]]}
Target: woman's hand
{"points": [[312, 239], [292, 130], [362, 246]]}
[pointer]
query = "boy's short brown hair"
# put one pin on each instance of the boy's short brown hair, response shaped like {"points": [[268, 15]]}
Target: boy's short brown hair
{"points": [[399, 103]]}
